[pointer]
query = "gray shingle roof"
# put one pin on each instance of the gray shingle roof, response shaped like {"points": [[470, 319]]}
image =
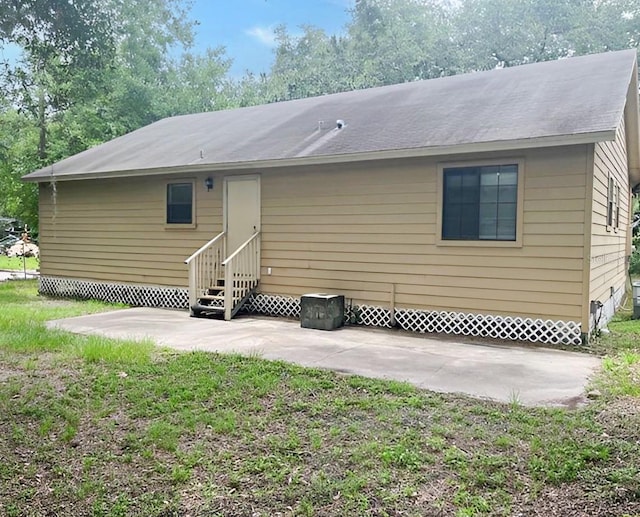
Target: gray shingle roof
{"points": [[557, 99]]}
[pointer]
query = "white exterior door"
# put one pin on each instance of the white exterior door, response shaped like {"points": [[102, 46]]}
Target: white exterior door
{"points": [[242, 209]]}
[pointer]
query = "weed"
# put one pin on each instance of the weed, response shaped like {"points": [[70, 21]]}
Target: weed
{"points": [[470, 505], [94, 349], [561, 462], [623, 374], [621, 367], [400, 455], [455, 457], [180, 474], [503, 441], [46, 426], [514, 399], [222, 421], [163, 435], [436, 443]]}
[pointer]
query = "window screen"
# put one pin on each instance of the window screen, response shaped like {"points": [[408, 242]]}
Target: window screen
{"points": [[480, 203], [180, 203]]}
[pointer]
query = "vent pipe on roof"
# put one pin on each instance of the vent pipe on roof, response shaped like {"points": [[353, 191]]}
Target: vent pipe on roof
{"points": [[340, 123]]}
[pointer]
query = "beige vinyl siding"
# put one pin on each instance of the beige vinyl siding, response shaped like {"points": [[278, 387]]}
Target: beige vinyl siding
{"points": [[357, 229], [609, 247], [114, 230]]}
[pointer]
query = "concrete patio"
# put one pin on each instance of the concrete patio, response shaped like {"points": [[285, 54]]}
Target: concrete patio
{"points": [[507, 373]]}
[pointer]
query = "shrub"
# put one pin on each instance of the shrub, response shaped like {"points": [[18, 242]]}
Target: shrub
{"points": [[634, 262]]}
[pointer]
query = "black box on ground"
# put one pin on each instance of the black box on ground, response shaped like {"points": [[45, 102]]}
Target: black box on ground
{"points": [[322, 311]]}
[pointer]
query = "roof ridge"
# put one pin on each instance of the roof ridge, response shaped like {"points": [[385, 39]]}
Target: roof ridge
{"points": [[417, 82]]}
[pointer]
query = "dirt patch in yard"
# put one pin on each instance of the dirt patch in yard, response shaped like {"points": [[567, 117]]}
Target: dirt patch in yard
{"points": [[622, 418], [8, 373]]}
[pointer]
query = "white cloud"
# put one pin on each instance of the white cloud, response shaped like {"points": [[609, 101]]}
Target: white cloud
{"points": [[264, 35], [347, 4]]}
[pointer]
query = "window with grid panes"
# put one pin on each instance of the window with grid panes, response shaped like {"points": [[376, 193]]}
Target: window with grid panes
{"points": [[480, 203], [180, 203]]}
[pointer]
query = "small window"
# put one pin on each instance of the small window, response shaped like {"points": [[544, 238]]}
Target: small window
{"points": [[610, 202], [613, 204], [180, 203], [480, 203], [617, 215]]}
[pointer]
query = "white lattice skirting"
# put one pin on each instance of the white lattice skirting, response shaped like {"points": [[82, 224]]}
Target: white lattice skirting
{"points": [[131, 294], [437, 322], [273, 305], [496, 327]]}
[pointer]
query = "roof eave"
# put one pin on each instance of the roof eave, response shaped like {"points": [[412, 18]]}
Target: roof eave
{"points": [[632, 128], [480, 147]]}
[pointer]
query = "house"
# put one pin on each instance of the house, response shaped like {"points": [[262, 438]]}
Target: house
{"points": [[495, 203]]}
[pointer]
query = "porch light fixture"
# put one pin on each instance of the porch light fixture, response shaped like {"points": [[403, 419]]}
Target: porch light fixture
{"points": [[208, 183]]}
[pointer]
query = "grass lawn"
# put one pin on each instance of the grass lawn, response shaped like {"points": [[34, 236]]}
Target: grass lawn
{"points": [[91, 426], [16, 263]]}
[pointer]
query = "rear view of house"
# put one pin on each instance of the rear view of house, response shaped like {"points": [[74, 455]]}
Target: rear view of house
{"points": [[495, 204]]}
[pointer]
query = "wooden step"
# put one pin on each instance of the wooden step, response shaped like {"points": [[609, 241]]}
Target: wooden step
{"points": [[211, 297]]}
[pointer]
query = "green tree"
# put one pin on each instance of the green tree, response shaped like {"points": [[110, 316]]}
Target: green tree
{"points": [[394, 41], [386, 42], [513, 32], [76, 31], [308, 65], [71, 106], [61, 40], [18, 139], [198, 83], [128, 65]]}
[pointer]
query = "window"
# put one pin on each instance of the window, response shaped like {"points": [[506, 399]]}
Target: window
{"points": [[610, 201], [180, 203], [617, 218], [613, 204], [480, 203]]}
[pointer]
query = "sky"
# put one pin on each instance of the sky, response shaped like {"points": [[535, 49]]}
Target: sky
{"points": [[245, 27]]}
